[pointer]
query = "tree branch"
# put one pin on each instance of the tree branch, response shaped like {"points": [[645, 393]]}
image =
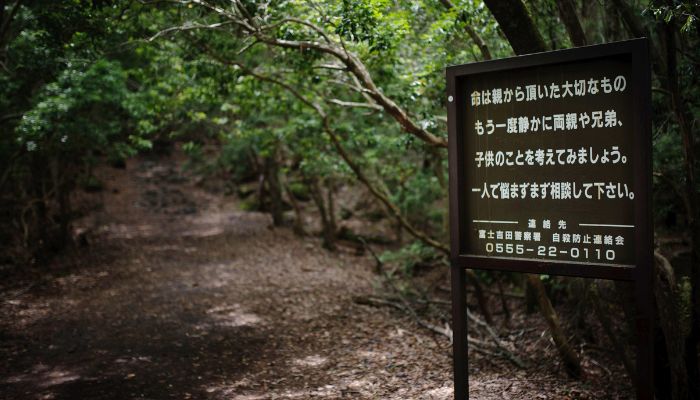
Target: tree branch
{"points": [[475, 37], [350, 60], [355, 104], [187, 27]]}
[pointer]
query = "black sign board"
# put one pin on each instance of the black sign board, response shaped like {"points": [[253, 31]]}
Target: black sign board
{"points": [[550, 172]]}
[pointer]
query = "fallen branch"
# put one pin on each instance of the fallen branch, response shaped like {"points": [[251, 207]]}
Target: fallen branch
{"points": [[480, 346]]}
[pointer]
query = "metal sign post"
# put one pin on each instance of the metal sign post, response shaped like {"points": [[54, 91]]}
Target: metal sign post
{"points": [[550, 173]]}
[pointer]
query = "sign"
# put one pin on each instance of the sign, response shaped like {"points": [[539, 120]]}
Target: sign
{"points": [[549, 162], [550, 169]]}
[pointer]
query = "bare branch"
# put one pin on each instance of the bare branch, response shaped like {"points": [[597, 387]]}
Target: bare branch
{"points": [[332, 67], [355, 104], [232, 17], [188, 27], [365, 93], [247, 47], [357, 89]]}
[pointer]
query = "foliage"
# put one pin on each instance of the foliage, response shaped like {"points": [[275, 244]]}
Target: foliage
{"points": [[410, 256], [299, 95], [78, 111], [685, 12]]}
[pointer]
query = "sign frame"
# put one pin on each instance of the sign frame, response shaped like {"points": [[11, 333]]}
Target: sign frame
{"points": [[640, 273]]}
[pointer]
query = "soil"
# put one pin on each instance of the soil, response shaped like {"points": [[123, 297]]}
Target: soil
{"points": [[178, 293]]}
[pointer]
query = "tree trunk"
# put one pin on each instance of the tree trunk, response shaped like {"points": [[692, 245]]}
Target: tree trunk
{"points": [[298, 216], [480, 297], [333, 226], [566, 351], [40, 223], [530, 298], [274, 189], [60, 171], [674, 325], [326, 230], [567, 13], [504, 301], [516, 23], [684, 118], [604, 318], [261, 191], [580, 294]]}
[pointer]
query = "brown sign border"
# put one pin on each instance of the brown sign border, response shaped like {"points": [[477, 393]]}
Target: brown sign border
{"points": [[640, 273]]}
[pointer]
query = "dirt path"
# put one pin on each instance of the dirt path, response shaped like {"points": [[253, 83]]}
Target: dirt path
{"points": [[180, 295], [178, 302]]}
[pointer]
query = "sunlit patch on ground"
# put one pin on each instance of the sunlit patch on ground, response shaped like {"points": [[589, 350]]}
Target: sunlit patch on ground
{"points": [[351, 388], [360, 386], [203, 231], [214, 275], [251, 397], [233, 316], [44, 376], [133, 360], [311, 361], [122, 231], [168, 248], [20, 313], [442, 393], [328, 391], [369, 355], [212, 223]]}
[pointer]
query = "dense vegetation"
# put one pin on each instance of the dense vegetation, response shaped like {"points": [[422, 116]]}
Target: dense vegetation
{"points": [[305, 98]]}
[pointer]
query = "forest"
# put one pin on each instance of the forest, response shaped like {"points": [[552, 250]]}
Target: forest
{"points": [[245, 199]]}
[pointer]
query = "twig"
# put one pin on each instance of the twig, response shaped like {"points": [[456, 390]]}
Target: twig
{"points": [[446, 331]]}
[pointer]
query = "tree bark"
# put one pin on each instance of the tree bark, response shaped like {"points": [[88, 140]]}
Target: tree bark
{"points": [[638, 30], [683, 118], [473, 278], [504, 301], [59, 172], [40, 223], [604, 318], [674, 325], [327, 232], [566, 351], [331, 204], [274, 189], [298, 216], [567, 13], [516, 23]]}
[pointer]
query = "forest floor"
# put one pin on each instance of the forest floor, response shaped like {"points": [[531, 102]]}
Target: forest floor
{"points": [[180, 294]]}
